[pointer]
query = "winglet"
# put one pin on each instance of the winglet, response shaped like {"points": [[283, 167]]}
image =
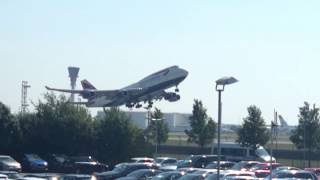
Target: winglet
{"points": [[48, 88]]}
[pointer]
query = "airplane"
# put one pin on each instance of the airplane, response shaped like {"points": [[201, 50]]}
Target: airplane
{"points": [[281, 127], [284, 127], [146, 90]]}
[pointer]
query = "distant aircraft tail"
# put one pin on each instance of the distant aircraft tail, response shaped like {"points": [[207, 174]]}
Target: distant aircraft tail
{"points": [[283, 122], [87, 85]]}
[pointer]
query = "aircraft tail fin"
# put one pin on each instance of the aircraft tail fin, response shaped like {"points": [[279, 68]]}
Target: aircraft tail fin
{"points": [[87, 85], [283, 122]]}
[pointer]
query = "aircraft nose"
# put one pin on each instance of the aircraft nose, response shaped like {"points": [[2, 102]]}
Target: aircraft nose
{"points": [[185, 73]]}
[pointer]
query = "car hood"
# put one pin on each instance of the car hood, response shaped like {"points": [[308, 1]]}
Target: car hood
{"points": [[90, 163], [38, 161], [108, 174], [11, 163], [127, 178]]}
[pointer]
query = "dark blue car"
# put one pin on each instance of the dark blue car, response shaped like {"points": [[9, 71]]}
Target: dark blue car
{"points": [[33, 163]]}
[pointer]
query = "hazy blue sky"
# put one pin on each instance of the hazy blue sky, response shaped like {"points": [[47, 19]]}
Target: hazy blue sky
{"points": [[272, 47]]}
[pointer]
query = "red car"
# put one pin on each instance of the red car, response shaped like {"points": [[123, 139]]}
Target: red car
{"points": [[264, 166]]}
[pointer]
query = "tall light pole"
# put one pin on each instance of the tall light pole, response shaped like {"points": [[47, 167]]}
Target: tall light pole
{"points": [[220, 83], [157, 124]]}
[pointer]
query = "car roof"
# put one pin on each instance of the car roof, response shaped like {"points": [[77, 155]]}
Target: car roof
{"points": [[8, 172], [76, 175], [3, 176], [141, 158], [165, 158], [4, 156]]}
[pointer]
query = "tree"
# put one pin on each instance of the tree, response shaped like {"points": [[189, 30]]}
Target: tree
{"points": [[8, 129], [253, 131], [307, 133], [203, 128], [158, 129], [57, 126], [117, 139]]}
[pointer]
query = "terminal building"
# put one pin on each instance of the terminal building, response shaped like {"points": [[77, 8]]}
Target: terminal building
{"points": [[177, 122]]}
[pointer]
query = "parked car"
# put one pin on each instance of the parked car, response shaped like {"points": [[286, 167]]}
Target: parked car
{"points": [[199, 161], [262, 173], [171, 175], [141, 174], [47, 176], [77, 177], [11, 174], [230, 173], [224, 165], [165, 161], [193, 177], [32, 162], [57, 162], [137, 160], [123, 170], [296, 174], [244, 165], [314, 170], [3, 177], [7, 163], [31, 178], [142, 160], [264, 166], [84, 165]]}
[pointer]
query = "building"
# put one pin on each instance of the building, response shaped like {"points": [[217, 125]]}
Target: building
{"points": [[177, 122]]}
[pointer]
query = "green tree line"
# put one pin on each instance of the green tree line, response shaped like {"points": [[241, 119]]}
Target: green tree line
{"points": [[56, 126]]}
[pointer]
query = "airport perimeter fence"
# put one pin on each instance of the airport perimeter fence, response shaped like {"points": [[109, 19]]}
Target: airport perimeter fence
{"points": [[277, 153]]}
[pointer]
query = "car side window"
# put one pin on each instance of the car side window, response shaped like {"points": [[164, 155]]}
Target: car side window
{"points": [[170, 161]]}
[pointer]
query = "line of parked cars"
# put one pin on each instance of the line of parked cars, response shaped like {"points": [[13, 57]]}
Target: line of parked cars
{"points": [[52, 163], [195, 167]]}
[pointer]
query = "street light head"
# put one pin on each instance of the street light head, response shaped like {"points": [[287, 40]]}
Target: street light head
{"points": [[226, 81], [220, 83]]}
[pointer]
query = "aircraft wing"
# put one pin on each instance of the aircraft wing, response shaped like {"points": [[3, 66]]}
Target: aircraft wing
{"points": [[65, 90], [107, 93], [119, 92]]}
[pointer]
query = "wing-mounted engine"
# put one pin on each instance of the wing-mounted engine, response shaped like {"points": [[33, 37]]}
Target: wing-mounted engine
{"points": [[87, 94], [171, 97]]}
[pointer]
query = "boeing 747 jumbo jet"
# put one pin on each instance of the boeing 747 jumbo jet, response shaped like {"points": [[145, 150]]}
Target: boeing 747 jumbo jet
{"points": [[146, 90]]}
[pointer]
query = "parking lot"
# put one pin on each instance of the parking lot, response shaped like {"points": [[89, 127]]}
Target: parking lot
{"points": [[142, 168]]}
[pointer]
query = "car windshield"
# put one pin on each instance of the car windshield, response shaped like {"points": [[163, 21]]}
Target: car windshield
{"points": [[191, 177], [7, 159], [164, 175], [33, 156], [212, 166], [74, 178], [12, 175], [303, 176], [120, 168], [159, 160], [238, 165], [258, 166], [138, 173], [83, 159]]}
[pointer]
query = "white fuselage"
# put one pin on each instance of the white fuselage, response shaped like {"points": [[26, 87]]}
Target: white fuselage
{"points": [[146, 89]]}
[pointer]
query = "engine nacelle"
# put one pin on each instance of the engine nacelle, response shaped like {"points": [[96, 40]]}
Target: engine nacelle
{"points": [[172, 97], [129, 105], [87, 94]]}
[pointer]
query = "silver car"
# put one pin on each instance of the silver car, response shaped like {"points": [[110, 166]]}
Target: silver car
{"points": [[7, 163]]}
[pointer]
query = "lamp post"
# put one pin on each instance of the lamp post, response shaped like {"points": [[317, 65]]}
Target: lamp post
{"points": [[220, 83], [155, 120]]}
